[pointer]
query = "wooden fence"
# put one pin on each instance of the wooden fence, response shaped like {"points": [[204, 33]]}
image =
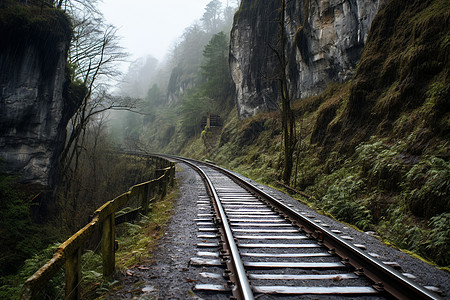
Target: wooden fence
{"points": [[103, 221]]}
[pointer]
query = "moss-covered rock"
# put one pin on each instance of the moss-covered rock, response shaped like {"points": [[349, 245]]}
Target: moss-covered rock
{"points": [[42, 26], [403, 74]]}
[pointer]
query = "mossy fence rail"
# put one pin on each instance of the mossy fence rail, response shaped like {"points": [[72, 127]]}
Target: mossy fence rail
{"points": [[103, 221]]}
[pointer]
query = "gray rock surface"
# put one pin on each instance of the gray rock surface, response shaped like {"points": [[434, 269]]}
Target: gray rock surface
{"points": [[325, 41], [33, 115]]}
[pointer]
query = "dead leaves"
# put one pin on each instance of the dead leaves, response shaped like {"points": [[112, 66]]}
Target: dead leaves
{"points": [[139, 267]]}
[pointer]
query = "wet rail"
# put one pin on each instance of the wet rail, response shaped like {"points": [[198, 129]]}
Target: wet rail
{"points": [[254, 246]]}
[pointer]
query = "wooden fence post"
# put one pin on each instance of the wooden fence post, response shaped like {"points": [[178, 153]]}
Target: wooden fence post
{"points": [[163, 184], [108, 253], [172, 175], [73, 275], [144, 200]]}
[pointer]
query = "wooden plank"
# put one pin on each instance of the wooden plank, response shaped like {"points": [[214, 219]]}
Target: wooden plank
{"points": [[76, 240], [119, 202]]}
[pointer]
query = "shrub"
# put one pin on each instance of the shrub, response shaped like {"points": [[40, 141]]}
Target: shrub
{"points": [[341, 200], [19, 236], [438, 242], [428, 187], [94, 285], [11, 285], [383, 165]]}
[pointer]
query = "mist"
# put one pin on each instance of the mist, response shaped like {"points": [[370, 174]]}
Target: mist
{"points": [[172, 93]]}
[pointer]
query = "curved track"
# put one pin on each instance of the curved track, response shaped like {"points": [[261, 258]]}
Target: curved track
{"points": [[254, 246]]}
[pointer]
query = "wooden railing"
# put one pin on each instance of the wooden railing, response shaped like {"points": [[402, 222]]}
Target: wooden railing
{"points": [[103, 221]]}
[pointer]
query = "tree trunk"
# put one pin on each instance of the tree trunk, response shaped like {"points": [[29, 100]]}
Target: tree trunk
{"points": [[287, 115]]}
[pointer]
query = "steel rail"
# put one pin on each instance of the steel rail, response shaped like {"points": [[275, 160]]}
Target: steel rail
{"points": [[385, 278], [242, 289]]}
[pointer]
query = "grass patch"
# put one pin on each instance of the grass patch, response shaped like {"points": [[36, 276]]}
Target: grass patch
{"points": [[136, 243], [137, 240]]}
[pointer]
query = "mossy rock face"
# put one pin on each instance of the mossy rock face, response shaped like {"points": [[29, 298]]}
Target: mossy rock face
{"points": [[404, 68], [43, 27], [325, 114], [251, 132]]}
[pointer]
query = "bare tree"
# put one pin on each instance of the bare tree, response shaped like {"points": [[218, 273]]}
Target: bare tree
{"points": [[93, 57], [72, 5], [287, 115]]}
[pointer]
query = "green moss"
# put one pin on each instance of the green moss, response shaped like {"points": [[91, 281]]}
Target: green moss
{"points": [[137, 240], [405, 55], [43, 27]]}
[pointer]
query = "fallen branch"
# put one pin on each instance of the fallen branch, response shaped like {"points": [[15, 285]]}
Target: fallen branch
{"points": [[294, 190]]}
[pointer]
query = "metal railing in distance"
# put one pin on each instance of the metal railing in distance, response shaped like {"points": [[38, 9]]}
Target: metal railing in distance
{"points": [[104, 220]]}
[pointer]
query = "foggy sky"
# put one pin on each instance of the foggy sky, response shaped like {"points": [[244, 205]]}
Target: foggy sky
{"points": [[151, 26]]}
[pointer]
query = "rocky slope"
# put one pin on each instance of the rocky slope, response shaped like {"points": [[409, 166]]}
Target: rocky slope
{"points": [[33, 109], [325, 41]]}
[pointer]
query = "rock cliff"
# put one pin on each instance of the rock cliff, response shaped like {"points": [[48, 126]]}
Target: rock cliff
{"points": [[33, 110], [325, 41]]}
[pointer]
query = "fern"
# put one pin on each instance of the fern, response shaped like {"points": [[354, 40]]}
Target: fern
{"points": [[428, 187], [341, 200], [438, 243]]}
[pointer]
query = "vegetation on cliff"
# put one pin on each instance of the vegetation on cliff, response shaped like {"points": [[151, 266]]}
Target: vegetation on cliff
{"points": [[20, 237], [195, 81], [43, 26]]}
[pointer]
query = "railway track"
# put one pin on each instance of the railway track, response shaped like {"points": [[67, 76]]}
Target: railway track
{"points": [[254, 246]]}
